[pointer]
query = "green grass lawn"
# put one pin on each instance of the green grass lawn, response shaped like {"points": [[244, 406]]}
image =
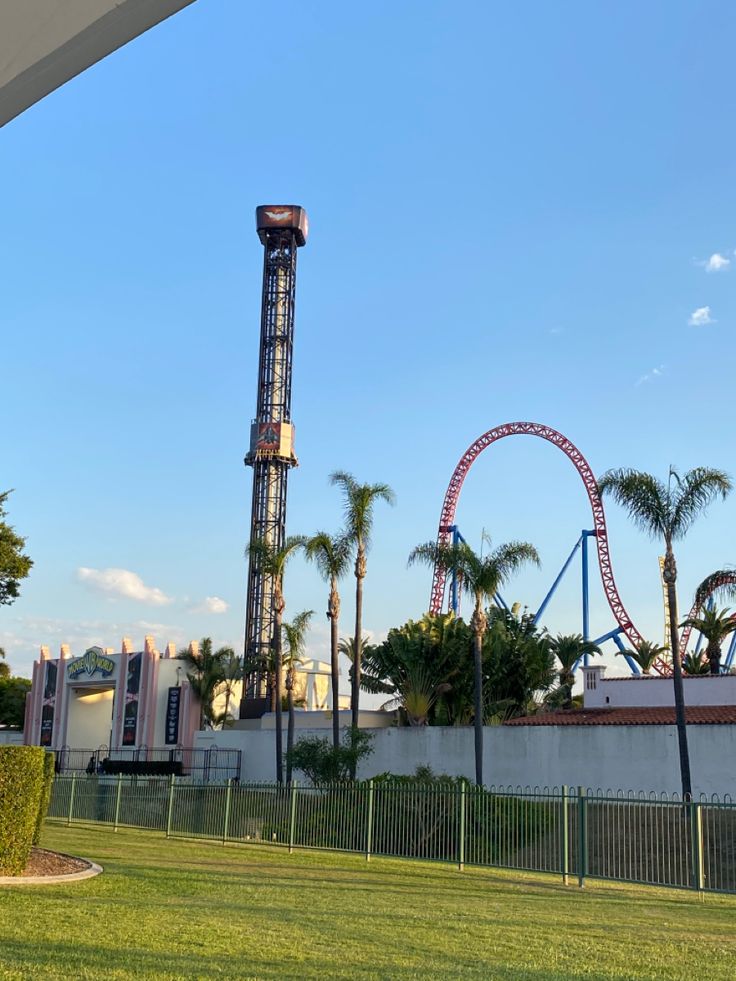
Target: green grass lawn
{"points": [[183, 909]]}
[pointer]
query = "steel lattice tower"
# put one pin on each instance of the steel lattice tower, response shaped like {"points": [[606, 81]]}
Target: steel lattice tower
{"points": [[281, 229]]}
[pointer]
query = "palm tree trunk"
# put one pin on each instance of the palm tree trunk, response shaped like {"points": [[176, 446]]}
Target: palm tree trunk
{"points": [[357, 645], [333, 612], [290, 729], [278, 685], [478, 705], [670, 577], [355, 689]]}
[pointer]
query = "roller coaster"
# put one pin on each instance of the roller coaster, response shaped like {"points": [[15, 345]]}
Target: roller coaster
{"points": [[448, 532]]}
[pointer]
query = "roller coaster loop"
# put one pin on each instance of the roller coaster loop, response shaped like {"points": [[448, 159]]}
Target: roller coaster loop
{"points": [[728, 578], [447, 518]]}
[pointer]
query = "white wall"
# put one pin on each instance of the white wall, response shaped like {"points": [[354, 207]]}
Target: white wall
{"points": [[8, 738], [648, 690], [607, 757]]}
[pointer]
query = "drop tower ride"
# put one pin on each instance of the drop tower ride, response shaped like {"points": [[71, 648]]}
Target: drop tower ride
{"points": [[282, 229]]}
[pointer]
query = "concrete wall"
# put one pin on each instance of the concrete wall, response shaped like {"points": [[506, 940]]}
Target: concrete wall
{"points": [[8, 738], [607, 757], [647, 690]]}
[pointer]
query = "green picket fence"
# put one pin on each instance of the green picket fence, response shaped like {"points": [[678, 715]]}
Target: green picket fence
{"points": [[571, 832]]}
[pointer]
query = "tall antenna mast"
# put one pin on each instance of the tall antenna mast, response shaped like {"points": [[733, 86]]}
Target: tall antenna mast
{"points": [[281, 229]]}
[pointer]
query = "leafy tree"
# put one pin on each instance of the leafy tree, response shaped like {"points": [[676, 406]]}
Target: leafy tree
{"points": [[412, 667], [4, 668], [481, 577], [14, 564], [13, 693], [359, 501], [331, 554], [714, 625], [569, 649], [295, 634], [517, 663], [645, 655], [666, 512], [272, 561], [321, 763], [206, 675]]}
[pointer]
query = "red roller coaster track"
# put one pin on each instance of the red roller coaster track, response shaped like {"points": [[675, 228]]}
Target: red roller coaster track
{"points": [[452, 496], [728, 578]]}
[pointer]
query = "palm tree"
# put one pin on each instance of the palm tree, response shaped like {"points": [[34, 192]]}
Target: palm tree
{"points": [[206, 676], [232, 673], [481, 578], [295, 637], [714, 625], [666, 512], [272, 562], [693, 664], [569, 649], [358, 502], [332, 557], [645, 655]]}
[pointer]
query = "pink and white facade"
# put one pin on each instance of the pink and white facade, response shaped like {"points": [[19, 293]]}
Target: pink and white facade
{"points": [[117, 700]]}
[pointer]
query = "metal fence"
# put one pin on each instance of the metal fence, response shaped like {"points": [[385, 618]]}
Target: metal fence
{"points": [[212, 764], [574, 833]]}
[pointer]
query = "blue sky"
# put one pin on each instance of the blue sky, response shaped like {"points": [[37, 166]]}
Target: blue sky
{"points": [[512, 208]]}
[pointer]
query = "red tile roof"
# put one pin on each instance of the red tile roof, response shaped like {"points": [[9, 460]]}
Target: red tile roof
{"points": [[697, 715]]}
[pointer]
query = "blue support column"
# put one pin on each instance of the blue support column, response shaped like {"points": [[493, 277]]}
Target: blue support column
{"points": [[585, 535], [557, 581], [731, 653]]}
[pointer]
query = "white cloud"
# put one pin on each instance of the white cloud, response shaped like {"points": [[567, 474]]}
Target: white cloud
{"points": [[715, 263], [554, 331], [651, 375], [700, 317], [211, 604], [122, 582], [22, 635]]}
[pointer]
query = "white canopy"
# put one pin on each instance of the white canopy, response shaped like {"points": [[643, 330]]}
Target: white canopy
{"points": [[44, 43]]}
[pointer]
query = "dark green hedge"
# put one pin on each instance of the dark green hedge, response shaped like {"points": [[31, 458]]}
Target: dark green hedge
{"points": [[21, 788], [43, 806]]}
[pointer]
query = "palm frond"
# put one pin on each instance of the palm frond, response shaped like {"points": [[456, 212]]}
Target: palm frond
{"points": [[644, 497], [330, 553], [358, 501], [696, 490]]}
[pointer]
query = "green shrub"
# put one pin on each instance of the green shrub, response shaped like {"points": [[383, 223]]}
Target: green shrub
{"points": [[43, 805], [321, 763], [21, 787]]}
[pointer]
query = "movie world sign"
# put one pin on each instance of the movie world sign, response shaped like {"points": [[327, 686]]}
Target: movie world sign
{"points": [[93, 661]]}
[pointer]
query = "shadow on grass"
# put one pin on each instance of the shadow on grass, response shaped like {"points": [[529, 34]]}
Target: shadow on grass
{"points": [[80, 959]]}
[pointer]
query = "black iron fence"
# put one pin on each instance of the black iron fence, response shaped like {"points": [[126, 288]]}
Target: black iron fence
{"points": [[205, 765], [570, 832]]}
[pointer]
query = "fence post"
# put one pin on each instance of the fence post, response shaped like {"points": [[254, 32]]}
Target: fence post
{"points": [[292, 814], [369, 828], [565, 842], [228, 796], [117, 801], [461, 829], [696, 829], [71, 799], [582, 837], [172, 780]]}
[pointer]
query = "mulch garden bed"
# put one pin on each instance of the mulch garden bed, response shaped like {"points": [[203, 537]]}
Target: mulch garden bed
{"points": [[44, 862]]}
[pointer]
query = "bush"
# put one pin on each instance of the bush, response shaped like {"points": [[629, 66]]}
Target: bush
{"points": [[321, 763], [43, 805], [21, 788]]}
